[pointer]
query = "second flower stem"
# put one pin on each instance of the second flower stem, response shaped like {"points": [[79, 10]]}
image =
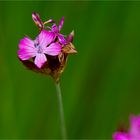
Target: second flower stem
{"points": [[61, 112]]}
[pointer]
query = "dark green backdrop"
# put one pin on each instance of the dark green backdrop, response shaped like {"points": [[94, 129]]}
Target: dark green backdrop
{"points": [[101, 84]]}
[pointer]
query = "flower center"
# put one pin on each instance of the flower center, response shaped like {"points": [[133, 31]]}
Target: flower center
{"points": [[38, 47]]}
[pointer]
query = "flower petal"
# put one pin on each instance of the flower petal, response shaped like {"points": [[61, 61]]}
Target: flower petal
{"points": [[55, 28], [54, 49], [26, 53], [62, 39], [61, 23], [40, 59], [26, 42], [45, 38], [27, 49], [121, 136]]}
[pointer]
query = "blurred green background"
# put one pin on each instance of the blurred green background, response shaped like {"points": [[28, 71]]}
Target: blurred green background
{"points": [[100, 85]]}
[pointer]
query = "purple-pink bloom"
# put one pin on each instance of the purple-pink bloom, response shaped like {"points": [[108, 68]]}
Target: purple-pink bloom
{"points": [[37, 48], [56, 31], [48, 52], [133, 133]]}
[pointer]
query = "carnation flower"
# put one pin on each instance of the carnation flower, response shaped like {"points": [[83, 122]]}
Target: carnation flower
{"points": [[48, 53], [37, 48]]}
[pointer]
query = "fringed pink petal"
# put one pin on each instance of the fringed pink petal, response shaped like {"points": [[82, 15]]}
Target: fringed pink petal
{"points": [[40, 59], [26, 42], [53, 50], [27, 49], [26, 53], [45, 38]]}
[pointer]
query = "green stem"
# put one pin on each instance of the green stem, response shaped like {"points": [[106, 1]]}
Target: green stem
{"points": [[61, 112]]}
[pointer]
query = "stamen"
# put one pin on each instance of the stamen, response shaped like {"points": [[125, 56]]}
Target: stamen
{"points": [[36, 43], [40, 50]]}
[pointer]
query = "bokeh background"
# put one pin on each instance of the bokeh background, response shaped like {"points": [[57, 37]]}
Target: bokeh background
{"points": [[100, 86]]}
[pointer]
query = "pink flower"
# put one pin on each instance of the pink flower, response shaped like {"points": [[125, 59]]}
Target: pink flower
{"points": [[39, 48], [133, 133], [48, 53], [56, 31]]}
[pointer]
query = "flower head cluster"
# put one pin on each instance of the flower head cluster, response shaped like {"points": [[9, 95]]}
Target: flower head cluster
{"points": [[48, 52], [133, 133]]}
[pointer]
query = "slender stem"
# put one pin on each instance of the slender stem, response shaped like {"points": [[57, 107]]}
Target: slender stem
{"points": [[61, 112]]}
